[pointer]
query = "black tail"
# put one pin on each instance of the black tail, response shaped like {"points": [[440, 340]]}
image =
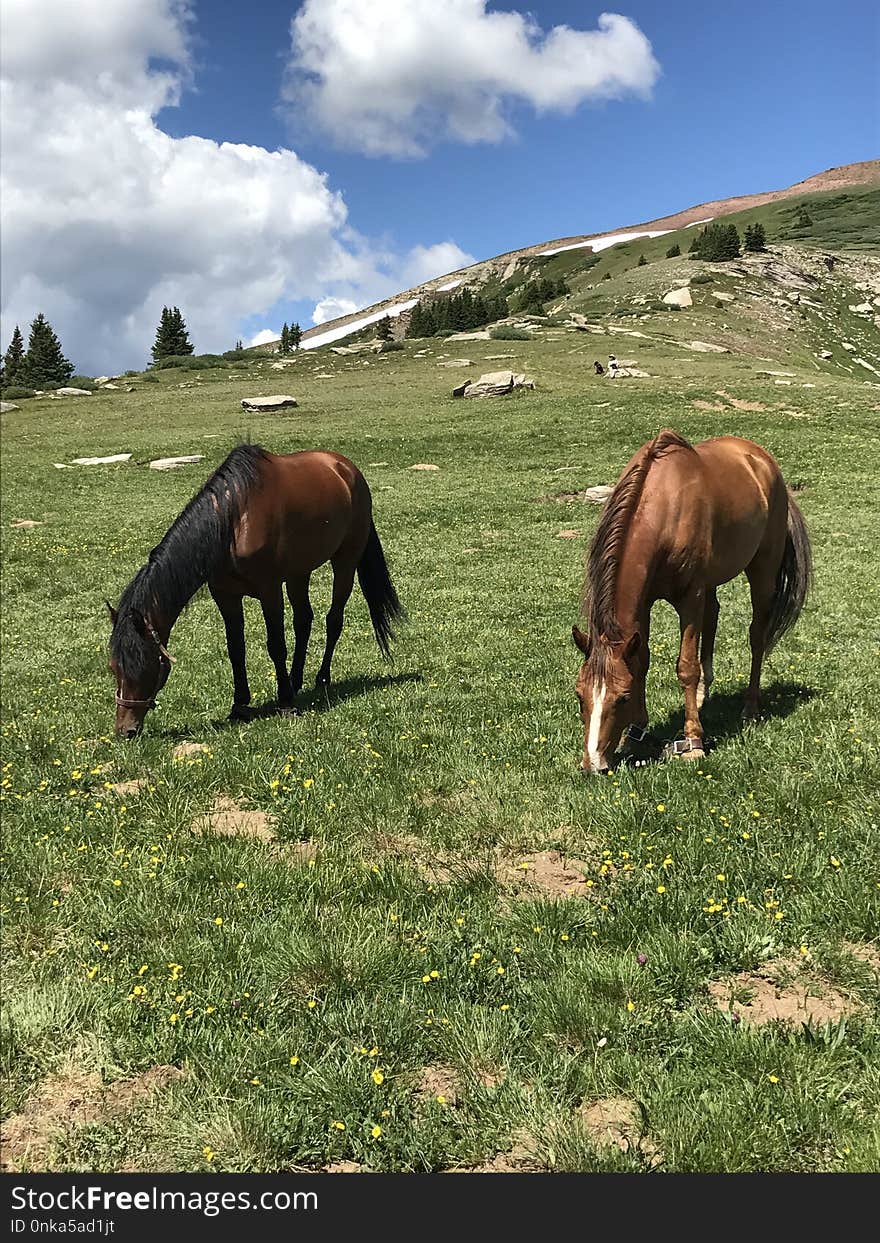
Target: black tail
{"points": [[794, 577], [379, 592]]}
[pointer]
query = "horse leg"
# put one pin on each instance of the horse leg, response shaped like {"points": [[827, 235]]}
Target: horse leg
{"points": [[762, 584], [690, 612], [232, 611], [343, 582], [276, 645], [707, 646], [298, 595]]}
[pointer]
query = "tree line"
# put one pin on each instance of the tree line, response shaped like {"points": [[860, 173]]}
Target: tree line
{"points": [[457, 313]]}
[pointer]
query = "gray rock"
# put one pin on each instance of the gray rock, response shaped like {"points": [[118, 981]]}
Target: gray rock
{"points": [[7, 406], [277, 402], [170, 463], [600, 494], [101, 461], [678, 297], [825, 354], [493, 384], [705, 347], [456, 362], [722, 295], [73, 392]]}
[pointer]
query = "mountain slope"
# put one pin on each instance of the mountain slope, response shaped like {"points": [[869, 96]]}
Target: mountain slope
{"points": [[856, 178]]}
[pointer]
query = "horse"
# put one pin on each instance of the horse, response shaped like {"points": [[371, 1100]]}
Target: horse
{"points": [[682, 520], [262, 521]]}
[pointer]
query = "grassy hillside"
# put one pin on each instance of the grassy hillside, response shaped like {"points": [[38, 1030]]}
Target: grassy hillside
{"points": [[440, 947]]}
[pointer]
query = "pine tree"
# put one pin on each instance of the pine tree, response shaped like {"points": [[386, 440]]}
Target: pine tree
{"points": [[13, 359], [673, 252], [383, 329], [755, 238], [44, 363], [696, 244], [164, 345], [642, 262], [284, 343], [239, 345], [181, 341], [296, 336]]}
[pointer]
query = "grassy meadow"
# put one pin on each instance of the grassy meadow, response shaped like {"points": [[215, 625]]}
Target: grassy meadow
{"points": [[443, 948]]}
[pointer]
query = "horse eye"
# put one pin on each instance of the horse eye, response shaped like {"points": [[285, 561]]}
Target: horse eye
{"points": [[622, 699]]}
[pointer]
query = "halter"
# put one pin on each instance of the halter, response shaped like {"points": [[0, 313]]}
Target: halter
{"points": [[166, 660], [639, 733]]}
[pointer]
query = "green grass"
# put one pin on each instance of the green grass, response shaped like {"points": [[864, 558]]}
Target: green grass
{"points": [[463, 752]]}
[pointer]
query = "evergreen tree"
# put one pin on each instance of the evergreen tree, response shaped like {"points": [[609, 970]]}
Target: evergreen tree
{"points": [[383, 329], [694, 248], [755, 238], [239, 345], [13, 359], [284, 343], [673, 252], [181, 341], [44, 363], [296, 336], [642, 261], [162, 346]]}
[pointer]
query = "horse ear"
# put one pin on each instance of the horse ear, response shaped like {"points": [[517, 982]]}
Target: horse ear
{"points": [[633, 644], [112, 611], [581, 640]]}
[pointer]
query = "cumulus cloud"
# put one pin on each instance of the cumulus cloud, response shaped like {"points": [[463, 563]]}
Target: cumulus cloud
{"points": [[332, 308], [106, 218], [394, 77], [264, 337]]}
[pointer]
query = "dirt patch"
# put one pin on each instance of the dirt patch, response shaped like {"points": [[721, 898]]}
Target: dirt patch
{"points": [[738, 403], [439, 1083], [547, 872], [866, 952], [184, 750], [67, 1101], [424, 466], [714, 406], [301, 853], [569, 534], [125, 789], [344, 1167], [616, 1122], [519, 1158], [780, 992], [228, 819]]}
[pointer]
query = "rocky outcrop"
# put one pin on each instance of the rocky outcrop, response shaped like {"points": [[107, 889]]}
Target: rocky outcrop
{"points": [[493, 384], [73, 392], [270, 404], [679, 297]]}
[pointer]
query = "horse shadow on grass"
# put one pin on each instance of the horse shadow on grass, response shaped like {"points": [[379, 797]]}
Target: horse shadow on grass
{"points": [[315, 699], [721, 716]]}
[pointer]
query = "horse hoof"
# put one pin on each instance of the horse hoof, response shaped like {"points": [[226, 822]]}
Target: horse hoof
{"points": [[241, 712], [693, 755]]}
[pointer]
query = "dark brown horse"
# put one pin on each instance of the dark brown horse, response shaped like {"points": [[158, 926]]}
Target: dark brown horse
{"points": [[681, 520], [262, 521]]}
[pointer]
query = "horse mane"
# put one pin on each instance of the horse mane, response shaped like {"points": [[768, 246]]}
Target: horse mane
{"points": [[192, 549], [606, 549]]}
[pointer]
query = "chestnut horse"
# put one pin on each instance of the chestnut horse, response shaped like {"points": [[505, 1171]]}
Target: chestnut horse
{"points": [[681, 520], [261, 521]]}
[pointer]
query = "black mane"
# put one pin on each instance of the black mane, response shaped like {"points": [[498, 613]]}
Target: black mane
{"points": [[192, 549]]}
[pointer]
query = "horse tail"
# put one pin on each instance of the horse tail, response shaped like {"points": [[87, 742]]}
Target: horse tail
{"points": [[794, 577], [379, 593]]}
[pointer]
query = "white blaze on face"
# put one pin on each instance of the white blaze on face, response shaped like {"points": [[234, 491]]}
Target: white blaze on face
{"points": [[595, 725]]}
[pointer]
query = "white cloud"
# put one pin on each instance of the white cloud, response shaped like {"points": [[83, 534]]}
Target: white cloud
{"points": [[332, 308], [393, 77], [264, 337], [106, 218]]}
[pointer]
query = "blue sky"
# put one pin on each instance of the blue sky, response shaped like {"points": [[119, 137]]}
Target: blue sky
{"points": [[751, 97], [386, 143]]}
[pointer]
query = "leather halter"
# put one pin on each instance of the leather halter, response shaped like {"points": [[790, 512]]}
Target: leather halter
{"points": [[166, 660]]}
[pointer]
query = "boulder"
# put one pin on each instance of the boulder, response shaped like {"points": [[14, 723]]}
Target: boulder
{"points": [[825, 354], [705, 347], [276, 402], [171, 463], [600, 494], [7, 406], [493, 384], [482, 335], [722, 296], [678, 297], [101, 461], [456, 362], [73, 392], [848, 345], [109, 385], [863, 308]]}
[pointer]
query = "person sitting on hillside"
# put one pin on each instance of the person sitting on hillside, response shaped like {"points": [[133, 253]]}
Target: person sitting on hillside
{"points": [[600, 370], [613, 369]]}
